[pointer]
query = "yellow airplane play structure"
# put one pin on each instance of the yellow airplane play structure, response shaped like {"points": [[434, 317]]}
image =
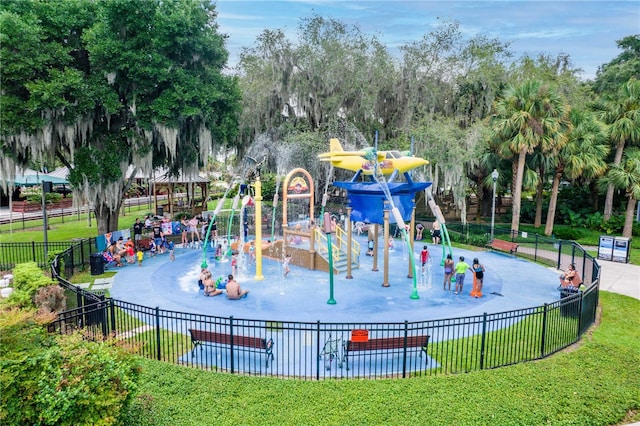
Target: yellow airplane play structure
{"points": [[388, 161]]}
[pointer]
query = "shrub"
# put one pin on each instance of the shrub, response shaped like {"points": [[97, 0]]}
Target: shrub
{"points": [[52, 379], [27, 279], [568, 233]]}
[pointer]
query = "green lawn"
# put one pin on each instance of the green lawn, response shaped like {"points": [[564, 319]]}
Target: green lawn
{"points": [[595, 383]]}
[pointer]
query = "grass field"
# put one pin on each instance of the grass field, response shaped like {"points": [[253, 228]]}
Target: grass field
{"points": [[597, 382]]}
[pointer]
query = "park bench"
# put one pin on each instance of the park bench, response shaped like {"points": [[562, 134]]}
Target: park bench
{"points": [[247, 343], [503, 245], [361, 343]]}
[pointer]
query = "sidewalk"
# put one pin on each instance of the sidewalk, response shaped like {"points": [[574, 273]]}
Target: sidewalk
{"points": [[621, 278]]}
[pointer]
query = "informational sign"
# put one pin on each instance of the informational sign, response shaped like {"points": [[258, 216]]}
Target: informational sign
{"points": [[605, 249], [621, 249]]}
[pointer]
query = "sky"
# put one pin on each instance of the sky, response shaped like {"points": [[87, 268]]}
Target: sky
{"points": [[586, 30]]}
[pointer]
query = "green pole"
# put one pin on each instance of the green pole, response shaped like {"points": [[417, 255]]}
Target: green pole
{"points": [[447, 241], [405, 235], [327, 230]]}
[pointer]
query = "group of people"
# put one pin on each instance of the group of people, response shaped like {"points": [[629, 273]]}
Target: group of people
{"points": [[460, 269], [228, 285], [197, 226], [120, 252]]}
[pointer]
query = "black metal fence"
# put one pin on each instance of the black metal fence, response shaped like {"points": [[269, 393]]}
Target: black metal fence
{"points": [[74, 255], [318, 350]]}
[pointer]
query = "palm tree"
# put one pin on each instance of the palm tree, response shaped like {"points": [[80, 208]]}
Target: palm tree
{"points": [[583, 156], [626, 176], [622, 114], [525, 117]]}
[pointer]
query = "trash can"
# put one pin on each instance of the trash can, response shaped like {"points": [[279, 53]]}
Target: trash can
{"points": [[569, 308], [159, 210], [96, 261]]}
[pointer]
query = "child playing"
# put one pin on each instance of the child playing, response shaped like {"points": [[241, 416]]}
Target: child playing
{"points": [[172, 256], [152, 248], [424, 256], [140, 256], [285, 264], [219, 252], [130, 254], [252, 251], [234, 263]]}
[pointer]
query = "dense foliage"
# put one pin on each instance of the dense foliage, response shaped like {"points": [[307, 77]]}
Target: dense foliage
{"points": [[60, 380], [104, 85]]}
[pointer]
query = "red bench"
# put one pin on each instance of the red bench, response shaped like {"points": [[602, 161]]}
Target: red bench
{"points": [[502, 245], [212, 338], [386, 344]]}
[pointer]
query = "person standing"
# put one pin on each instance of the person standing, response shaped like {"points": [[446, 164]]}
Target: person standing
{"points": [[193, 228], [461, 269], [424, 256], [184, 227], [252, 251], [285, 264], [435, 232], [234, 262], [214, 228], [156, 230], [140, 256], [448, 273], [137, 232], [478, 271]]}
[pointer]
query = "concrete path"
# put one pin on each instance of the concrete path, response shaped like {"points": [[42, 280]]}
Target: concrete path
{"points": [[621, 278]]}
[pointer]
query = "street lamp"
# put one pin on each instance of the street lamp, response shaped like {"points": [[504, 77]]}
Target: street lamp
{"points": [[494, 176]]}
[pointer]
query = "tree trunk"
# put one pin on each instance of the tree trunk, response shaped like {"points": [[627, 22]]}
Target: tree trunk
{"points": [[516, 200], [553, 200], [629, 216], [608, 201], [539, 193], [106, 218]]}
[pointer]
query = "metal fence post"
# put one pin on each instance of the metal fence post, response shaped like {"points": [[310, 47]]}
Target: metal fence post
{"points": [[543, 336], [535, 251], [580, 315], [33, 251], [404, 352], [559, 254], [318, 348], [483, 341], [231, 358], [158, 351], [113, 314], [82, 252]]}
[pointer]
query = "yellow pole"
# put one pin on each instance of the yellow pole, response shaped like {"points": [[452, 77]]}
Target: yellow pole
{"points": [[258, 199]]}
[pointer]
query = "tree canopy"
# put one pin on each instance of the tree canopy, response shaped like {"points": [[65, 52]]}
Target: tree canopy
{"points": [[102, 85]]}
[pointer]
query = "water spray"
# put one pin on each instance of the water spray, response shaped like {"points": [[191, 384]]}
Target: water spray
{"points": [[216, 212]]}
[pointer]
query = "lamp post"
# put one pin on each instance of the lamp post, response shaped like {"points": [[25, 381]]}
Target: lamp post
{"points": [[494, 176]]}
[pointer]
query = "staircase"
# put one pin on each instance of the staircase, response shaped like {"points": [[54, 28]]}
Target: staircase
{"points": [[340, 245]]}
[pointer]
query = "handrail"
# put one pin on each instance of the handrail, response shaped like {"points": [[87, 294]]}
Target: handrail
{"points": [[342, 237], [338, 244]]}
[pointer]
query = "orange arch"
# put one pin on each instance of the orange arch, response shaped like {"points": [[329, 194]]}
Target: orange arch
{"points": [[286, 195]]}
